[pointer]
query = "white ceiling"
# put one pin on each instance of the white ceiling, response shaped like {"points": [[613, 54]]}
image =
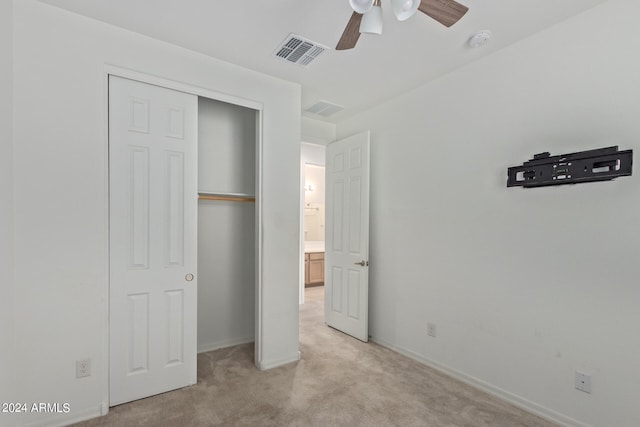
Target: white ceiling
{"points": [[408, 53]]}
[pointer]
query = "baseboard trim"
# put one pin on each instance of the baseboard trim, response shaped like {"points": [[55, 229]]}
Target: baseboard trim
{"points": [[73, 417], [263, 366], [223, 344], [527, 405]]}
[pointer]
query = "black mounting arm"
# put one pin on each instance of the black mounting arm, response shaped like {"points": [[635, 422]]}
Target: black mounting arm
{"points": [[583, 166]]}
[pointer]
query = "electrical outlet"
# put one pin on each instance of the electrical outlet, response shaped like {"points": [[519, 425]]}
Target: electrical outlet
{"points": [[583, 382], [431, 330], [83, 368]]}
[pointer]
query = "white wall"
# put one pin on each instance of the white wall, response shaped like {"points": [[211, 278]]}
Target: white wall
{"points": [[6, 206], [525, 285], [317, 132], [313, 154], [226, 230], [60, 177]]}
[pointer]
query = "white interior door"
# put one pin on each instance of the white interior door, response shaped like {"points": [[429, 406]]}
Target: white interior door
{"points": [[347, 236], [153, 239]]}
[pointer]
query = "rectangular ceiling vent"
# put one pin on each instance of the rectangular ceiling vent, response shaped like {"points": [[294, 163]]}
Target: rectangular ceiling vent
{"points": [[299, 50], [324, 108]]}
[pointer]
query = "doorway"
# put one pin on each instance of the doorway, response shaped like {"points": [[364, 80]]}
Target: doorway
{"points": [[312, 216], [345, 248]]}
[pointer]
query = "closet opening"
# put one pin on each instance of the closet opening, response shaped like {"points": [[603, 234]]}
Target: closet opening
{"points": [[227, 218]]}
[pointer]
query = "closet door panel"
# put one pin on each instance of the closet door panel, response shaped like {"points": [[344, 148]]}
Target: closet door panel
{"points": [[152, 239]]}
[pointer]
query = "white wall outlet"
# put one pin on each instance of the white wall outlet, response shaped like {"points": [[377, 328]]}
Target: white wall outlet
{"points": [[431, 329], [83, 368], [583, 382]]}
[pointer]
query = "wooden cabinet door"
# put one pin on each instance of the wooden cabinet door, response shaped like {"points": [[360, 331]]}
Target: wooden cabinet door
{"points": [[316, 268]]}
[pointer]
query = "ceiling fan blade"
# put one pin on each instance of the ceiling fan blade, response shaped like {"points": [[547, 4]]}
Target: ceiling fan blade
{"points": [[351, 33], [446, 12]]}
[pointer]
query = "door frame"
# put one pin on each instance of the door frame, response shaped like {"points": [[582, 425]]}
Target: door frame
{"points": [[110, 69]]}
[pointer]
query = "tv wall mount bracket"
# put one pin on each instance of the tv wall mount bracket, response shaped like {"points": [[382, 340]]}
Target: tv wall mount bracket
{"points": [[544, 169]]}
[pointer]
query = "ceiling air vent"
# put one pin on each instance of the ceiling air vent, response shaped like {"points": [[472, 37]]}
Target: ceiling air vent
{"points": [[324, 108], [299, 50]]}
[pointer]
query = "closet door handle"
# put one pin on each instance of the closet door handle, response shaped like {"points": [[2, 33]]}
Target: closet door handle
{"points": [[361, 263], [189, 277]]}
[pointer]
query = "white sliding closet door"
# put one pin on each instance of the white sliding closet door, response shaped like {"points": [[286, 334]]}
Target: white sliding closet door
{"points": [[153, 239]]}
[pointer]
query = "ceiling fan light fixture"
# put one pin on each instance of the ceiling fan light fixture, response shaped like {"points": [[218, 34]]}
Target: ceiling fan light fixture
{"points": [[372, 21], [361, 6], [404, 9], [367, 16]]}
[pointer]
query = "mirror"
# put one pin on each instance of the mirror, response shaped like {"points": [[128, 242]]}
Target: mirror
{"points": [[314, 203]]}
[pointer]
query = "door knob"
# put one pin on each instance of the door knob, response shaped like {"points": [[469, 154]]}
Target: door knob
{"points": [[188, 277], [361, 263]]}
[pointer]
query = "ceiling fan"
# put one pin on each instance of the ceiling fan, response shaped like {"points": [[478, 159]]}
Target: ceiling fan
{"points": [[367, 16]]}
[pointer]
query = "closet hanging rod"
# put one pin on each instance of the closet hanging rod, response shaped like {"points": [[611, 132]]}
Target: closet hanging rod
{"points": [[227, 197]]}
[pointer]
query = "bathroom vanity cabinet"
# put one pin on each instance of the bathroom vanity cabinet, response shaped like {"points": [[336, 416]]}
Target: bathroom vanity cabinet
{"points": [[313, 268]]}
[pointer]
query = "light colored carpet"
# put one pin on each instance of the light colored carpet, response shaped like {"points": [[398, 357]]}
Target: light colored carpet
{"points": [[339, 381]]}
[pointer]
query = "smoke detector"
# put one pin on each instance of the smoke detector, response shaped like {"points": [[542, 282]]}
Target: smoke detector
{"points": [[299, 50], [480, 38]]}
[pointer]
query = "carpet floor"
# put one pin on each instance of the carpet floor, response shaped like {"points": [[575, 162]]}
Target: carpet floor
{"points": [[339, 381]]}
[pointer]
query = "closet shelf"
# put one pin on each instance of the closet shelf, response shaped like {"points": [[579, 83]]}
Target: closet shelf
{"points": [[229, 197]]}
